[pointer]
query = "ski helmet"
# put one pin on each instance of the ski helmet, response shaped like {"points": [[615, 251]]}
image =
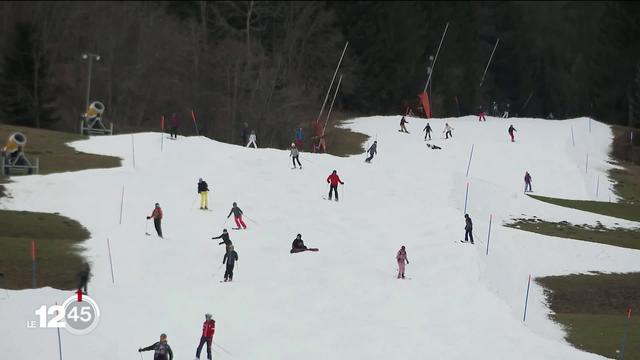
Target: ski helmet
{"points": [[224, 230], [207, 316], [299, 235], [293, 144], [157, 204], [200, 179], [235, 204]]}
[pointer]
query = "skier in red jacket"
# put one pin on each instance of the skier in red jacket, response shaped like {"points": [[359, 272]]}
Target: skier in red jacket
{"points": [[208, 329], [157, 219], [333, 180]]}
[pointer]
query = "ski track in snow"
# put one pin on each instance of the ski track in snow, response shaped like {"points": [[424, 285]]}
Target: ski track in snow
{"points": [[342, 302]]}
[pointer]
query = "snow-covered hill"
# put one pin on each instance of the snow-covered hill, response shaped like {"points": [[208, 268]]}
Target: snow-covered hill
{"points": [[344, 301]]}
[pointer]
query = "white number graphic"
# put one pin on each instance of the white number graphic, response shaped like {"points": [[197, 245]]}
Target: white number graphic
{"points": [[42, 314], [58, 319], [85, 314]]}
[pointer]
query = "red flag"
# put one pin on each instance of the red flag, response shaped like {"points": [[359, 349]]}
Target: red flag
{"points": [[79, 292], [162, 122], [193, 116], [33, 250]]}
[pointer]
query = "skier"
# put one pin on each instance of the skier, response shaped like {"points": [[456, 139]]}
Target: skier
{"points": [[402, 127], [494, 106], [157, 219], [295, 155], [481, 114], [468, 228], [84, 276], [427, 130], [333, 180], [225, 239], [433, 147], [401, 258], [322, 144], [373, 150], [203, 190], [298, 245], [230, 257], [208, 329], [174, 126], [237, 216], [511, 130], [162, 350], [245, 133], [252, 140], [527, 181], [447, 130], [505, 115], [299, 138]]}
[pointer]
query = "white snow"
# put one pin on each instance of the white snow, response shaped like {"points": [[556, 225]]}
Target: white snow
{"points": [[344, 301]]}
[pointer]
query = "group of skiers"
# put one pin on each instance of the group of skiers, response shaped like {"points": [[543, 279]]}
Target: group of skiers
{"points": [[162, 350]]}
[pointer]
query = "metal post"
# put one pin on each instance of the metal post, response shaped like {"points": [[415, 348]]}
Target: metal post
{"points": [[573, 140], [489, 63], [436, 58], [113, 281], [470, 156], [489, 234], [331, 107], [466, 195], [324, 103]]}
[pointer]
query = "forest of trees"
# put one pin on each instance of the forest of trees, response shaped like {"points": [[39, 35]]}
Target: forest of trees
{"points": [[270, 63]]}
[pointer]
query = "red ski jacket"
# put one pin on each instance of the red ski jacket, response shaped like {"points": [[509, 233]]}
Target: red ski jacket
{"points": [[208, 328], [334, 179], [157, 213]]}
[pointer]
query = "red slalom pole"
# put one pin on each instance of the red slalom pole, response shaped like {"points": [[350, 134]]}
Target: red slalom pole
{"points": [[195, 123], [33, 263], [626, 332]]}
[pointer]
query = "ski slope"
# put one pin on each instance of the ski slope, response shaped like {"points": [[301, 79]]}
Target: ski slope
{"points": [[344, 301]]}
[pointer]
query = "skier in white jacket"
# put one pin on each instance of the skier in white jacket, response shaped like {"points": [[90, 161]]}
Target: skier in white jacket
{"points": [[252, 139], [447, 130]]}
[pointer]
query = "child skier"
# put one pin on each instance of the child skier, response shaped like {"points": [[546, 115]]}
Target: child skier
{"points": [[157, 219], [295, 155], [427, 130], [401, 258], [230, 257], [481, 114], [237, 216], [447, 130], [162, 350], [373, 150], [208, 329], [527, 181], [402, 127], [511, 130], [505, 115], [468, 228], [333, 180], [203, 190], [174, 126], [225, 239], [252, 140]]}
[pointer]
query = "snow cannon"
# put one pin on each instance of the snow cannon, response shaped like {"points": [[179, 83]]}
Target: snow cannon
{"points": [[92, 124], [13, 156]]}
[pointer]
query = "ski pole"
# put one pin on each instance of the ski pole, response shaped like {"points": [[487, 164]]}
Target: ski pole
{"points": [[250, 219], [146, 228], [223, 349], [140, 355], [194, 201]]}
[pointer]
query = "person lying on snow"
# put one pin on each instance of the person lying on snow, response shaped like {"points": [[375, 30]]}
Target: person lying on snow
{"points": [[298, 245]]}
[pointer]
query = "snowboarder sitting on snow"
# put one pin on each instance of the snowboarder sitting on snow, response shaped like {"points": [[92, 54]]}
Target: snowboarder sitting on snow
{"points": [[427, 130], [230, 257], [208, 329], [203, 190], [84, 276], [225, 239], [162, 350], [447, 130], [401, 258], [402, 122], [157, 219], [237, 216], [434, 147], [295, 155], [333, 180], [372, 151], [527, 181], [298, 245], [511, 130], [468, 228]]}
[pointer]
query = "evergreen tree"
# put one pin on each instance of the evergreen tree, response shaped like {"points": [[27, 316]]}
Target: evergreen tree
{"points": [[25, 96]]}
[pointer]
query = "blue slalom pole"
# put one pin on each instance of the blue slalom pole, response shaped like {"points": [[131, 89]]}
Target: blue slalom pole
{"points": [[573, 140], [526, 300], [466, 195], [626, 331], [470, 156], [489, 234]]}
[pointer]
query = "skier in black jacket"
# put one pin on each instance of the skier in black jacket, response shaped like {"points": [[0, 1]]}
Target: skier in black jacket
{"points": [[427, 130], [230, 257], [373, 150], [468, 228], [203, 190], [162, 350], [225, 239]]}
